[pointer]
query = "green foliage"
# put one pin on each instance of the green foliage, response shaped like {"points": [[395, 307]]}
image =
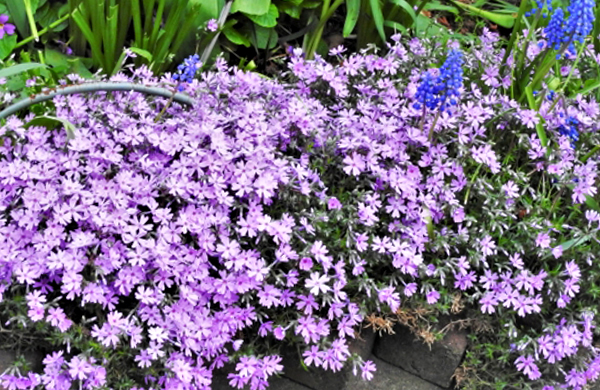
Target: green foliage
{"points": [[159, 29]]}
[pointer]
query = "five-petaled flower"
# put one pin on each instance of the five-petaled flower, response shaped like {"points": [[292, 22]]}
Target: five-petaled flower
{"points": [[6, 28]]}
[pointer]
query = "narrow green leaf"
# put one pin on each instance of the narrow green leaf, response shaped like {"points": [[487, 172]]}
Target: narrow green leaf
{"points": [[158, 20], [267, 20], [251, 7], [589, 86], [185, 31], [89, 36], [352, 12], [395, 25], [20, 68], [165, 41], [591, 202], [506, 21], [377, 17], [125, 17], [539, 127], [407, 7], [149, 12], [141, 52], [435, 6], [110, 38], [137, 21], [51, 122], [18, 16], [574, 243]]}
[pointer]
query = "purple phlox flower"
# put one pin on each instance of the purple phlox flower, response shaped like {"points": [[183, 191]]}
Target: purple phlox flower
{"points": [[279, 333], [367, 369], [57, 317], [305, 263], [6, 28], [354, 164], [410, 289], [313, 356], [212, 25], [529, 118], [488, 246], [511, 190], [572, 269], [79, 368], [390, 297], [576, 379], [543, 240], [464, 280], [571, 288], [557, 251], [488, 303], [334, 204], [318, 283], [526, 365], [432, 297], [307, 303]]}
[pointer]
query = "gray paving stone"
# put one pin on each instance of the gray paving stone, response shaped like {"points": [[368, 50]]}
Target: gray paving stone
{"points": [[388, 377], [220, 382], [436, 365], [33, 358], [314, 378]]}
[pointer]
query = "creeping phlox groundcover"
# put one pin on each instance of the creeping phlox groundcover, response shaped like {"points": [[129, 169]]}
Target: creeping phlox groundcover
{"points": [[153, 249]]}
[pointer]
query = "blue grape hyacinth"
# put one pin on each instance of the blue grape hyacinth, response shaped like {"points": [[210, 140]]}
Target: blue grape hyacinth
{"points": [[555, 33], [575, 28], [443, 90], [581, 19], [426, 92], [540, 6], [187, 71], [570, 130]]}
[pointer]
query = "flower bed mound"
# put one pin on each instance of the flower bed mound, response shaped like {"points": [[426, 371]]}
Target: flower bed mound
{"points": [[163, 241]]}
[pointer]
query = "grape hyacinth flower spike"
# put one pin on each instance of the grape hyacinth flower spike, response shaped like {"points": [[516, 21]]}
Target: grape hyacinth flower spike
{"points": [[444, 89], [561, 33], [540, 4], [187, 71]]}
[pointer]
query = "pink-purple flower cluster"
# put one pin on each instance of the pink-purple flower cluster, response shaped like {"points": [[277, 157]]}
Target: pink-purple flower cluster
{"points": [[287, 212]]}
